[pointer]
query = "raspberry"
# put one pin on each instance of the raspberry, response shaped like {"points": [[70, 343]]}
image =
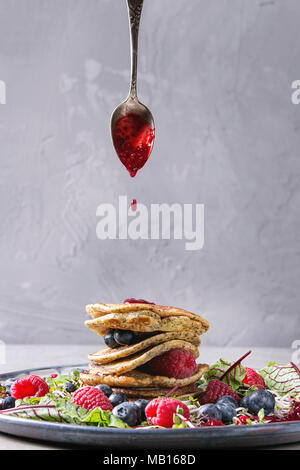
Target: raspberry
{"points": [[90, 398], [29, 386], [160, 411], [216, 389], [252, 378], [177, 363], [243, 420], [294, 414], [212, 422]]}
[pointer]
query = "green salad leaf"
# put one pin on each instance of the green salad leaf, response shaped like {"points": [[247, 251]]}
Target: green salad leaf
{"points": [[69, 411], [38, 412], [117, 422], [61, 410], [79, 415], [177, 422], [2, 391], [59, 381], [261, 415], [235, 377], [28, 401], [247, 389], [282, 378]]}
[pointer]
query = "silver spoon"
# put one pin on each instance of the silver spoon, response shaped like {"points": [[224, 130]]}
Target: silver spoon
{"points": [[132, 104]]}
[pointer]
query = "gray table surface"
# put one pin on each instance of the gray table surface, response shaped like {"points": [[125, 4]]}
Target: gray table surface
{"points": [[32, 356]]}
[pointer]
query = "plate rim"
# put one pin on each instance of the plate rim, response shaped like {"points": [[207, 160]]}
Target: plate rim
{"points": [[215, 429]]}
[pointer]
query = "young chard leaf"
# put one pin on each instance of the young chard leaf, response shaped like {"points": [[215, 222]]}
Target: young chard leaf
{"points": [[235, 377], [117, 422], [261, 415], [61, 410], [29, 401], [282, 378], [39, 412]]}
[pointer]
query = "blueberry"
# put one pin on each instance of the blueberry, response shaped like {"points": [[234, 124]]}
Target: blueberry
{"points": [[127, 412], [110, 341], [228, 400], [139, 413], [244, 402], [117, 398], [11, 380], [211, 411], [70, 387], [8, 402], [124, 337], [141, 405], [8, 383], [105, 389], [259, 399], [228, 412]]}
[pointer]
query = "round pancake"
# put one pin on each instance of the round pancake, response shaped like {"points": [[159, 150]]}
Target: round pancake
{"points": [[142, 357], [142, 321], [108, 354], [99, 309], [136, 379], [156, 392], [185, 396]]}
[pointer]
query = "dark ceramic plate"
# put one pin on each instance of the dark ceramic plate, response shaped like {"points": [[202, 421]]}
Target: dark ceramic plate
{"points": [[202, 438]]}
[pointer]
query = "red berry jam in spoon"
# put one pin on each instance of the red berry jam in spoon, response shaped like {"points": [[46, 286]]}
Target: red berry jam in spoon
{"points": [[132, 124], [133, 140]]}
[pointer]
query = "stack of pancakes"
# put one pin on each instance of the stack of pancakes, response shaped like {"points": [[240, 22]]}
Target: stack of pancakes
{"points": [[157, 329]]}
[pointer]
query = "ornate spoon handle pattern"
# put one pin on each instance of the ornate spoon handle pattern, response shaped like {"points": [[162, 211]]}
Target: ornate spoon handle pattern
{"points": [[134, 11]]}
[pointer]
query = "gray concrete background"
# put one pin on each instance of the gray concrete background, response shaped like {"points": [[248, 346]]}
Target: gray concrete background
{"points": [[217, 76]]}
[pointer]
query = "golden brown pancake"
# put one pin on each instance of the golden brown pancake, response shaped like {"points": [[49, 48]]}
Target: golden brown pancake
{"points": [[142, 357], [97, 310], [142, 321], [156, 392], [138, 379], [109, 355]]}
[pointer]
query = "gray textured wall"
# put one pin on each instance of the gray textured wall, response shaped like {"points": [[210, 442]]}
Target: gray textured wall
{"points": [[217, 76]]}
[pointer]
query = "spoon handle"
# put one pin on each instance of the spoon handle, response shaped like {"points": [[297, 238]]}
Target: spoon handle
{"points": [[134, 11]]}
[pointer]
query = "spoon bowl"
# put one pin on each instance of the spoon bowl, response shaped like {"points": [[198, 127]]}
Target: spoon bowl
{"points": [[131, 105], [132, 129]]}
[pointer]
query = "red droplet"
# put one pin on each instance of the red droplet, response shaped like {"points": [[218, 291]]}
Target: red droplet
{"points": [[133, 205], [133, 140]]}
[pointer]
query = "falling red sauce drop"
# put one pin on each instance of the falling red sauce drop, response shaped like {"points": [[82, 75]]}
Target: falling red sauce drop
{"points": [[133, 140], [133, 205]]}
